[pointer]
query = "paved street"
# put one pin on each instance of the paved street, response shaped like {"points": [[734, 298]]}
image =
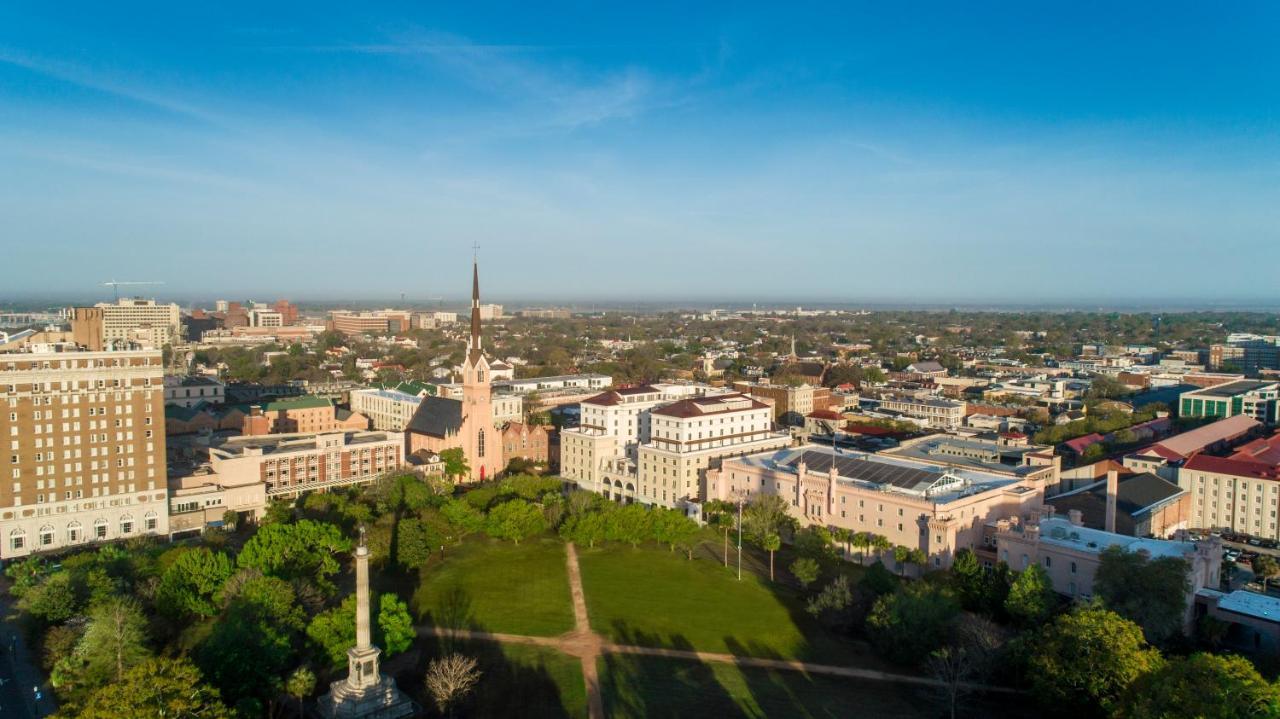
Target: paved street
{"points": [[18, 670]]}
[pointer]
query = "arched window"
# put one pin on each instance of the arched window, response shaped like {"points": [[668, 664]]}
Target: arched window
{"points": [[100, 529], [17, 540], [149, 522], [75, 533], [480, 444], [126, 524], [46, 535]]}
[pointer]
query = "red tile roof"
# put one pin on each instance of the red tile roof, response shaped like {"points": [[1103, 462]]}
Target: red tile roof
{"points": [[1261, 451], [704, 406], [1225, 465], [823, 414], [1080, 444]]}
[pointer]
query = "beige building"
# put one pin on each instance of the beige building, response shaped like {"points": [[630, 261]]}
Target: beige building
{"points": [[937, 509], [1071, 553], [692, 435], [386, 409], [790, 404], [1233, 494], [85, 460], [930, 411], [127, 321], [612, 426]]}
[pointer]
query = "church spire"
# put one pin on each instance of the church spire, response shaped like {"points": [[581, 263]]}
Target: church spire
{"points": [[474, 346]]}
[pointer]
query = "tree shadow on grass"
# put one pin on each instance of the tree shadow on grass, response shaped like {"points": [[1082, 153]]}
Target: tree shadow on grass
{"points": [[515, 680]]}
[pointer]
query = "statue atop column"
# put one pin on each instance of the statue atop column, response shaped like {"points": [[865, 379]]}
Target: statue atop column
{"points": [[366, 693]]}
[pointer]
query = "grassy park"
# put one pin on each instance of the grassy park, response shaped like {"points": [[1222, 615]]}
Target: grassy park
{"points": [[498, 587], [649, 596]]}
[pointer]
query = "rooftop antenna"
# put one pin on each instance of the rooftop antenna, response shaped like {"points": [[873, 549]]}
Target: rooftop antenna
{"points": [[116, 286]]}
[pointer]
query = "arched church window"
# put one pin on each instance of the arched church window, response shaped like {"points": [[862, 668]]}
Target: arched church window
{"points": [[480, 444]]}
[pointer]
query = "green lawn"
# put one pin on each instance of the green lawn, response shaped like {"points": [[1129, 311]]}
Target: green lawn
{"points": [[656, 687], [651, 597], [498, 587]]}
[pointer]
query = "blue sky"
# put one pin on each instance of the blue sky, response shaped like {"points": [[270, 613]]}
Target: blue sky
{"points": [[897, 152]]}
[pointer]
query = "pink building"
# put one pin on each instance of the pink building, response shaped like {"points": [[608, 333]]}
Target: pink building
{"points": [[936, 508]]}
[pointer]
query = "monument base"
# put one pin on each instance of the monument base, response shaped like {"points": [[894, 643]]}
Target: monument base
{"points": [[381, 700]]}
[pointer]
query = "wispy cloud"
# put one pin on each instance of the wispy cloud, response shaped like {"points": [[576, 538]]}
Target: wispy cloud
{"points": [[554, 95]]}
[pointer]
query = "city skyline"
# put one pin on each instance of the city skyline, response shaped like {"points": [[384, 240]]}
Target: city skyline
{"points": [[942, 157]]}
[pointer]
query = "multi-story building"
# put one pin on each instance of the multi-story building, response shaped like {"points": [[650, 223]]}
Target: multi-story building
{"points": [[1237, 494], [191, 390], [126, 322], [490, 312], [692, 435], [1251, 398], [931, 411], [386, 409], [85, 460], [937, 509], [612, 425], [243, 474], [1071, 553], [506, 408], [790, 404], [1246, 353], [596, 382], [300, 414], [265, 318], [531, 442], [376, 322], [288, 311]]}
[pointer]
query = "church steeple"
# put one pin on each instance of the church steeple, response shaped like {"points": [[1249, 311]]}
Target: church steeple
{"points": [[474, 353]]}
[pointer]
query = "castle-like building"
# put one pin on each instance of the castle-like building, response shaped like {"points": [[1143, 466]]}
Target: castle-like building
{"points": [[442, 423]]}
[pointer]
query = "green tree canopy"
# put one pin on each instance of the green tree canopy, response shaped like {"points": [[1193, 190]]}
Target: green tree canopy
{"points": [[334, 631], [912, 622], [1031, 598], [114, 642], [765, 514], [160, 688], [303, 550], [1205, 686], [1150, 592], [1088, 658], [515, 520], [190, 586]]}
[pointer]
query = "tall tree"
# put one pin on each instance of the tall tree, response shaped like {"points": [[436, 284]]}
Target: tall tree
{"points": [[1151, 592], [159, 688], [455, 463], [772, 543], [115, 640], [912, 622], [1031, 598], [300, 684], [765, 513], [191, 584], [303, 550], [1206, 686], [515, 520], [1087, 659]]}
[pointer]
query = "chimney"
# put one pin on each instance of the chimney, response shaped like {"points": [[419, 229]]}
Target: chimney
{"points": [[1113, 488], [1076, 517]]}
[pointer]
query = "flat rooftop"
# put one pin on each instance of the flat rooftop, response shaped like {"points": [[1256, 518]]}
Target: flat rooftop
{"points": [[1063, 533], [1230, 389], [282, 443], [1250, 604], [939, 484], [976, 454]]}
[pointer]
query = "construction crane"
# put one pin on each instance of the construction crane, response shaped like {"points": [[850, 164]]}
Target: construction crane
{"points": [[117, 285]]}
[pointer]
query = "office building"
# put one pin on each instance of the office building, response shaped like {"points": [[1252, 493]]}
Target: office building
{"points": [[928, 411], [126, 323], [386, 409], [1251, 398], [191, 390]]}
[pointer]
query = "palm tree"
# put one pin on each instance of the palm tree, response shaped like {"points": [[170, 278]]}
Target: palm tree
{"points": [[880, 544], [900, 555], [918, 558], [300, 684], [845, 537], [772, 543], [862, 540]]}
